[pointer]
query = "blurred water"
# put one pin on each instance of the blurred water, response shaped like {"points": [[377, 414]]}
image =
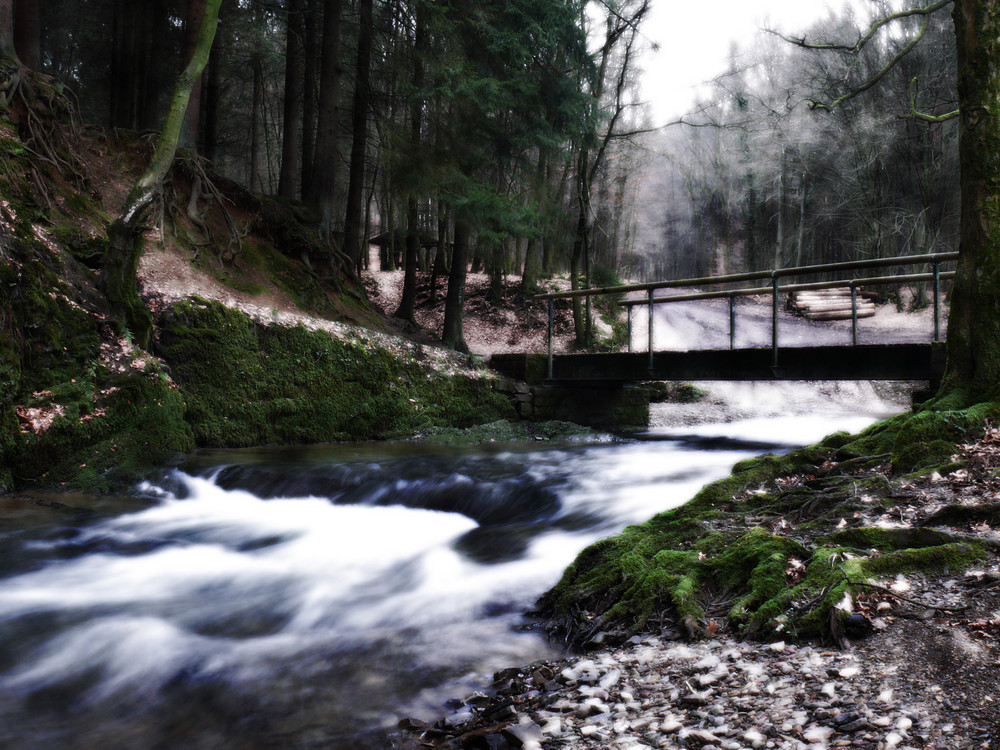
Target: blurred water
{"points": [[311, 597]]}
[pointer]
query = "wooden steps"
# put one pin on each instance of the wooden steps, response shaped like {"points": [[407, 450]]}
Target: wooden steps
{"points": [[828, 304]]}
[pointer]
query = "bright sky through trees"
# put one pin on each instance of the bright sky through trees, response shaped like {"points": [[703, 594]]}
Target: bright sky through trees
{"points": [[695, 38]]}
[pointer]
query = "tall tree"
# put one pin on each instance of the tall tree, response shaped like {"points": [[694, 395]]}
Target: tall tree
{"points": [[7, 49], [125, 233], [191, 134], [354, 220], [324, 168], [291, 131], [973, 369], [27, 33], [309, 97], [408, 297]]}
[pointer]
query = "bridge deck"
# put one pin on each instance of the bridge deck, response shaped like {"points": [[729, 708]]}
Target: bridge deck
{"points": [[866, 362]]}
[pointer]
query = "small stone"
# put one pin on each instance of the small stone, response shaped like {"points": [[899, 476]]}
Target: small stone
{"points": [[777, 646], [700, 738], [856, 726], [522, 734], [670, 726], [892, 740], [904, 723], [817, 734]]}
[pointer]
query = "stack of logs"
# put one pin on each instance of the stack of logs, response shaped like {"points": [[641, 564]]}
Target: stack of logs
{"points": [[828, 304]]}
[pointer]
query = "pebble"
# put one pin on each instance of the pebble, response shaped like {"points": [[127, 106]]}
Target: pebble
{"points": [[719, 694]]}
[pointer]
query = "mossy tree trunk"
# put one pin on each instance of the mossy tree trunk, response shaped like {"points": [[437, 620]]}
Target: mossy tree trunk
{"points": [[973, 371], [118, 270]]}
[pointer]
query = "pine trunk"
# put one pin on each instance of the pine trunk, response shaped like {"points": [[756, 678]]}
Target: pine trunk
{"points": [[309, 97], [359, 128], [453, 334], [291, 129], [323, 188], [7, 50]]}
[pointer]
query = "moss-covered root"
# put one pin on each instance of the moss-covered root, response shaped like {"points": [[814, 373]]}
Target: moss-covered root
{"points": [[771, 579]]}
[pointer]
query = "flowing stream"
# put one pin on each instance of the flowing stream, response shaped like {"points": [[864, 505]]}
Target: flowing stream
{"points": [[309, 598]]}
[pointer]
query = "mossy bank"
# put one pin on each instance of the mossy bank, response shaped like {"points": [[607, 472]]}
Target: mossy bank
{"points": [[83, 409], [787, 546]]}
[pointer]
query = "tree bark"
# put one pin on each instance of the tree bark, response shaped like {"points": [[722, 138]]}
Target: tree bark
{"points": [[118, 268], [256, 122], [291, 142], [453, 334], [323, 188], [309, 97], [7, 49], [359, 127], [27, 33], [191, 132], [409, 296], [973, 369]]}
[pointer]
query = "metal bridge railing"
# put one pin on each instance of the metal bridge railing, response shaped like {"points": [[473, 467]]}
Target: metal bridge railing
{"points": [[775, 289]]}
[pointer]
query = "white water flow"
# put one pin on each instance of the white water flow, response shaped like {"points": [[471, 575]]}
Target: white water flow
{"points": [[312, 597]]}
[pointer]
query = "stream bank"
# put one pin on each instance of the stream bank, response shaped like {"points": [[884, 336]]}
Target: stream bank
{"points": [[876, 595]]}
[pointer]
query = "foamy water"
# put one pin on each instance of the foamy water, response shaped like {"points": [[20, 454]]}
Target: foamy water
{"points": [[315, 596]]}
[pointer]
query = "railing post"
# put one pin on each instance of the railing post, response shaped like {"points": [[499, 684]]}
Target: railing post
{"points": [[630, 308], [732, 320], [650, 329], [854, 313], [774, 319], [937, 300], [551, 330]]}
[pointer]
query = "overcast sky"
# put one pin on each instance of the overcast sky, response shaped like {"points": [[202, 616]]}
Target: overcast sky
{"points": [[695, 37]]}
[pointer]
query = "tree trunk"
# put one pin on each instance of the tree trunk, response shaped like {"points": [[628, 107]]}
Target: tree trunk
{"points": [[409, 296], [118, 267], [323, 187], [973, 369], [7, 48], [256, 122], [291, 142], [359, 128], [212, 101], [191, 133], [454, 303], [440, 267], [309, 97], [27, 33], [124, 89]]}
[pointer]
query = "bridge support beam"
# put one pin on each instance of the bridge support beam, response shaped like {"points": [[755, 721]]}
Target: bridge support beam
{"points": [[610, 405]]}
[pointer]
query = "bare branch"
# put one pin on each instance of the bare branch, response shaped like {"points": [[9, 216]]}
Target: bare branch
{"points": [[883, 72], [915, 114], [868, 35]]}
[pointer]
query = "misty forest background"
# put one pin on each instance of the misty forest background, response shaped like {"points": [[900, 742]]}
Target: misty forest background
{"points": [[511, 137]]}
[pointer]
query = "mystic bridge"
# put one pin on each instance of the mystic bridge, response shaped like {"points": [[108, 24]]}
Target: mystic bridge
{"points": [[598, 388]]}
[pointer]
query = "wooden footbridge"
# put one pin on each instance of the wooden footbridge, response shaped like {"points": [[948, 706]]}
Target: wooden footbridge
{"points": [[602, 372]]}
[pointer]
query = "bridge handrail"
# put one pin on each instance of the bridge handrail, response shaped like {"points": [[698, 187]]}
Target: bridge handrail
{"points": [[725, 293], [936, 259], [853, 265]]}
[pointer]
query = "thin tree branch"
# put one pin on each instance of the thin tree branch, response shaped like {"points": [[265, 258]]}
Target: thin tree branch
{"points": [[915, 114], [870, 34], [878, 76]]}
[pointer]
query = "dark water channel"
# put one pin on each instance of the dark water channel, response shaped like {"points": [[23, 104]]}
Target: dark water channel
{"points": [[309, 598]]}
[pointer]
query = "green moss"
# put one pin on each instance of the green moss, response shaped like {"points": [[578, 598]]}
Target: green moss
{"points": [[249, 384], [781, 576]]}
